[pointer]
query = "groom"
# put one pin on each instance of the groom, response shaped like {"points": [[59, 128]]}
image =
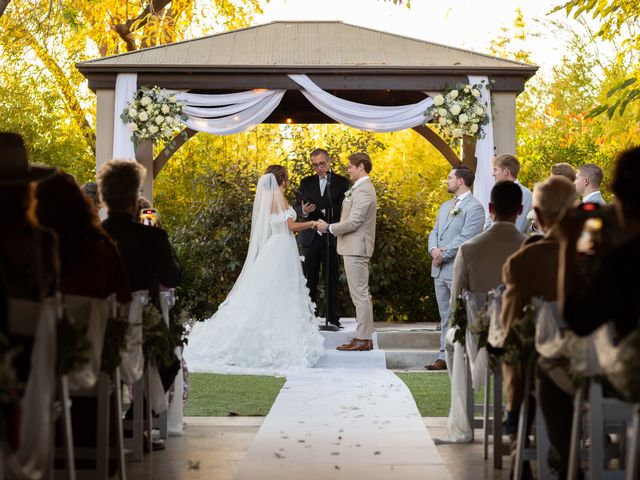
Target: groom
{"points": [[356, 233]]}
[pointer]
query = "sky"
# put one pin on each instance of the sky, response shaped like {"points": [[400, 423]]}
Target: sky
{"points": [[468, 24]]}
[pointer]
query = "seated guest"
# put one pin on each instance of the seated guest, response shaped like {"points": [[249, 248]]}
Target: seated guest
{"points": [[585, 281], [90, 189], [478, 265], [478, 268], [149, 259], [90, 264], [564, 170], [587, 182], [28, 252], [532, 272]]}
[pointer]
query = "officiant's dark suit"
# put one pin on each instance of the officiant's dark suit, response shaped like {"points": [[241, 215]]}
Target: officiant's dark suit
{"points": [[313, 245]]}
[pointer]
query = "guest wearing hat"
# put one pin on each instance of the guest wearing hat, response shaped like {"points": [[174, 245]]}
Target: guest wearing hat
{"points": [[28, 252]]}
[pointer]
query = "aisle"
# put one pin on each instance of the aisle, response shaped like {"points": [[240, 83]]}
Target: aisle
{"points": [[354, 422]]}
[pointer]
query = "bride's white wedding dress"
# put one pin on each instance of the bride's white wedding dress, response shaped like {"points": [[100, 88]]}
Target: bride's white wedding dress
{"points": [[267, 323]]}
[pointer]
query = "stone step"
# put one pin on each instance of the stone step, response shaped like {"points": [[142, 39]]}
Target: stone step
{"points": [[338, 359], [408, 339], [410, 358]]}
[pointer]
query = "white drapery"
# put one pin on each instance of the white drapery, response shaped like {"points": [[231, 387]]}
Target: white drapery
{"points": [[484, 148], [226, 114], [126, 85]]}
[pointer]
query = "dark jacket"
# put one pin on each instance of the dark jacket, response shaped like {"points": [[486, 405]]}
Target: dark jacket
{"points": [[148, 257], [310, 190]]}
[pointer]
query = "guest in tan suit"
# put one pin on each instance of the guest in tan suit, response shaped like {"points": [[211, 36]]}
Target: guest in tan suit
{"points": [[356, 234], [533, 272]]}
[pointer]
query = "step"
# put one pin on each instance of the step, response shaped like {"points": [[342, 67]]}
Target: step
{"points": [[410, 358], [333, 339], [408, 339], [362, 360]]}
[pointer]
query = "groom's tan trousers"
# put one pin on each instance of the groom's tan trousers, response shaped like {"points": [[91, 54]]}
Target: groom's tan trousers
{"points": [[357, 270]]}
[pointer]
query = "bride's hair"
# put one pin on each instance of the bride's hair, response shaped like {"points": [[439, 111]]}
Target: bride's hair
{"points": [[279, 172]]}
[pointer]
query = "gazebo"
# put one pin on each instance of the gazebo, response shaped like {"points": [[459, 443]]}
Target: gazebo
{"points": [[350, 62]]}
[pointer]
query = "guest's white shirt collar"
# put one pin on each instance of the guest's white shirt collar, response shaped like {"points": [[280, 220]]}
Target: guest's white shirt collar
{"points": [[589, 196], [359, 181], [462, 196]]}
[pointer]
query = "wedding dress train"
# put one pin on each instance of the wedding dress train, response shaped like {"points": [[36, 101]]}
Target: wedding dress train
{"points": [[267, 323]]}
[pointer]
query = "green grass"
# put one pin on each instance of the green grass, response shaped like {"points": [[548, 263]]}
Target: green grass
{"points": [[213, 395]]}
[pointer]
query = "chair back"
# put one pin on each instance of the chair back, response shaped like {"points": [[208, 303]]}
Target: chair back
{"points": [[497, 332], [475, 303], [37, 319], [94, 314], [132, 366]]}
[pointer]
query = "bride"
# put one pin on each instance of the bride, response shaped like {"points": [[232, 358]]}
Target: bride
{"points": [[267, 324]]}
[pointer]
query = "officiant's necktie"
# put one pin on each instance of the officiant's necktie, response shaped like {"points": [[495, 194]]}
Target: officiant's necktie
{"points": [[323, 186]]}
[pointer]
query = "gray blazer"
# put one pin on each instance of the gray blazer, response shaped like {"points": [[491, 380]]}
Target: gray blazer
{"points": [[451, 231]]}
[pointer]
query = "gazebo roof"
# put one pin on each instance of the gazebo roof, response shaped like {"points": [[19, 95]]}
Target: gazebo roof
{"points": [[307, 46]]}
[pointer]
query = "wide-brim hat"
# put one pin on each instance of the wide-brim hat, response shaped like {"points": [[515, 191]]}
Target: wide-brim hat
{"points": [[15, 168]]}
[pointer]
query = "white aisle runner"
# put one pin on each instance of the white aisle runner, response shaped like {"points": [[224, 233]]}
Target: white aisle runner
{"points": [[343, 423]]}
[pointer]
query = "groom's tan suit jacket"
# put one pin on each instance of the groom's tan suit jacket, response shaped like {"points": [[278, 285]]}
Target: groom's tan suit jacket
{"points": [[356, 233], [356, 230]]}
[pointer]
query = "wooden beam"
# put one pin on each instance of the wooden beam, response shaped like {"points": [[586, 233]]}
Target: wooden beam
{"points": [[443, 147], [168, 151]]}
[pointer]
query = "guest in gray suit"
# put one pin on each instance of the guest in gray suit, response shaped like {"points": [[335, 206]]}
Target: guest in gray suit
{"points": [[506, 168], [459, 219], [588, 181]]}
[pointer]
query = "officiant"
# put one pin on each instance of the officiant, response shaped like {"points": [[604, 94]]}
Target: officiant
{"points": [[320, 197]]}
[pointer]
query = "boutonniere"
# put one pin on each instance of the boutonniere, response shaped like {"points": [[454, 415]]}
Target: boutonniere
{"points": [[348, 193], [456, 211]]}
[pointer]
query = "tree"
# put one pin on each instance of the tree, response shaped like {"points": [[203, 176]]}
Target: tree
{"points": [[618, 20]]}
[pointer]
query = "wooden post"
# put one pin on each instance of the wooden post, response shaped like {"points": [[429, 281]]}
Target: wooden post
{"points": [[105, 112], [504, 122], [144, 156], [469, 153]]}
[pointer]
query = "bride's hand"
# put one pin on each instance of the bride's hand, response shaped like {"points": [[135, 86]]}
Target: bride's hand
{"points": [[314, 225]]}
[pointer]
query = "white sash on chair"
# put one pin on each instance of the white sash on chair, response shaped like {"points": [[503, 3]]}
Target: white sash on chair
{"points": [[93, 312], [175, 421], [549, 338], [497, 332], [132, 366], [33, 458], [478, 359]]}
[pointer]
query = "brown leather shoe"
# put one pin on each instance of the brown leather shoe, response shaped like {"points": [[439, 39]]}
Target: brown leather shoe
{"points": [[437, 365], [356, 345]]}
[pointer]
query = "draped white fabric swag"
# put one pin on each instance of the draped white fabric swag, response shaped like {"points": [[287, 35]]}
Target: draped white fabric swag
{"points": [[226, 114]]}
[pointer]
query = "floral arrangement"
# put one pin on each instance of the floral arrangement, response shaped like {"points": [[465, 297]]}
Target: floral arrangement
{"points": [[153, 114], [460, 111], [156, 342], [456, 211], [73, 348], [459, 321], [520, 342], [116, 333]]}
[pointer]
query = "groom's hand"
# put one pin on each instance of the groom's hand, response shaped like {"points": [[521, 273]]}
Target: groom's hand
{"points": [[322, 226]]}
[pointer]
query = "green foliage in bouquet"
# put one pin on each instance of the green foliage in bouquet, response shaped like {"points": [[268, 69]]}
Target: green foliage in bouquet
{"points": [[520, 342], [73, 348], [156, 344], [459, 321], [115, 341]]}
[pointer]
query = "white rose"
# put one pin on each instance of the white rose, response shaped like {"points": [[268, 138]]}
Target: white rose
{"points": [[144, 101], [473, 127], [443, 121], [442, 112], [475, 92], [438, 100], [133, 113], [479, 110], [455, 109], [165, 109], [457, 133], [159, 119], [173, 99], [467, 88], [176, 120], [453, 94], [133, 127], [143, 116], [153, 129], [463, 118]]}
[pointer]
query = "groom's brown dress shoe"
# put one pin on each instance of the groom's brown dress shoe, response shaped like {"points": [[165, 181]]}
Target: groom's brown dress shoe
{"points": [[437, 365], [356, 345]]}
